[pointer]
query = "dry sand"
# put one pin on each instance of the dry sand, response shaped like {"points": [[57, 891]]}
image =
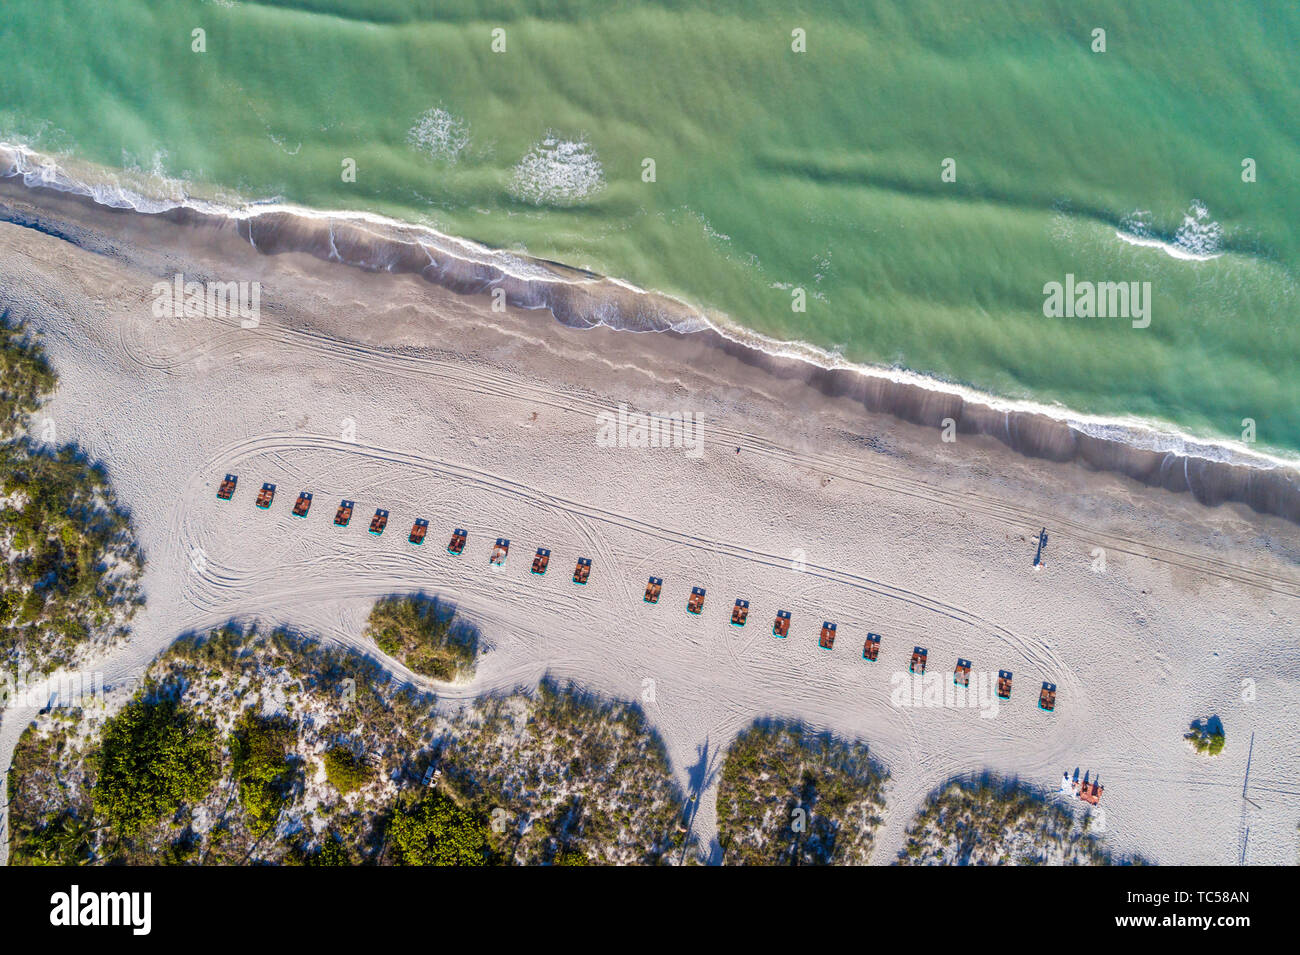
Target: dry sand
{"points": [[485, 420]]}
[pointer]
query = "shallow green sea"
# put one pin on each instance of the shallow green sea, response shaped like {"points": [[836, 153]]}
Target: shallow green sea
{"points": [[774, 169]]}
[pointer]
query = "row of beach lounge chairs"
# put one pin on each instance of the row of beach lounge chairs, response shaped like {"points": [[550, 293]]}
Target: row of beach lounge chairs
{"points": [[653, 589]]}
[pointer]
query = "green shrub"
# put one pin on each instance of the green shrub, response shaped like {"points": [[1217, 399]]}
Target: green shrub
{"points": [[344, 770], [424, 636], [259, 749], [436, 831], [68, 531], [1207, 737], [25, 378], [153, 758]]}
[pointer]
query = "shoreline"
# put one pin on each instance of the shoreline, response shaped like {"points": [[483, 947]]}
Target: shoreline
{"points": [[489, 421], [1211, 473]]}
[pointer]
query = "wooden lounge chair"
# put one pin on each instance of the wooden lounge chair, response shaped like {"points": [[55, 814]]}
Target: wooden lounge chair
{"points": [[827, 639], [379, 522], [917, 665], [540, 561], [266, 496], [871, 648], [1047, 697], [457, 544], [739, 613], [499, 551], [1004, 684], [653, 589], [961, 675], [343, 516], [302, 505], [418, 530], [227, 489], [782, 626], [582, 571], [695, 603]]}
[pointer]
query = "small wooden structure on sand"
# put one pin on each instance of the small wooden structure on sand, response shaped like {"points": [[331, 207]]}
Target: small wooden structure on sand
{"points": [[1004, 684], [582, 571], [827, 638], [871, 647], [782, 626]]}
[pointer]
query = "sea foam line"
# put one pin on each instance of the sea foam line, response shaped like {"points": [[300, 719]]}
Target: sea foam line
{"points": [[1147, 434]]}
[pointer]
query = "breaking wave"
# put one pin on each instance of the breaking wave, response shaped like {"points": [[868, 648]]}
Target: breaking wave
{"points": [[557, 172], [439, 135]]}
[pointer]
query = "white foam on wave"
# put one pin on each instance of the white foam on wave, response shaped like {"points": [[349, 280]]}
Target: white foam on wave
{"points": [[1198, 239], [1156, 435], [557, 172], [439, 135], [1144, 433]]}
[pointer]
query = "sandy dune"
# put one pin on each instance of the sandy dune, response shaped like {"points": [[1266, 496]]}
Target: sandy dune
{"points": [[384, 390]]}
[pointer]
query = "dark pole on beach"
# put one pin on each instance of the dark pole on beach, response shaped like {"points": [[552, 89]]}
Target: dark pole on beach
{"points": [[1042, 543]]}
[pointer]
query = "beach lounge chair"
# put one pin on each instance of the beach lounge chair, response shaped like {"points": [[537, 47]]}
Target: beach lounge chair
{"points": [[1004, 684], [343, 516], [418, 530], [695, 602], [961, 675], [782, 626], [457, 544], [582, 571], [739, 613], [379, 522], [302, 505], [499, 551], [917, 665], [1047, 697], [653, 589], [227, 489], [540, 561], [871, 648], [827, 639], [266, 496]]}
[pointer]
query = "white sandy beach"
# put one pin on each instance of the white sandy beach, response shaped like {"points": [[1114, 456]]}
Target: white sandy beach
{"points": [[488, 421]]}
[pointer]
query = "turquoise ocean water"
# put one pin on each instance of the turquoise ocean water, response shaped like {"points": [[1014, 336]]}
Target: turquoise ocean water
{"points": [[774, 170]]}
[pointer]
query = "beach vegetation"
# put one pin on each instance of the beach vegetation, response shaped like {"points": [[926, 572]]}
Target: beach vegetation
{"points": [[25, 377], [435, 830], [791, 796], [69, 563], [345, 770], [231, 719], [997, 821], [425, 636], [154, 756], [1206, 736], [261, 765]]}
